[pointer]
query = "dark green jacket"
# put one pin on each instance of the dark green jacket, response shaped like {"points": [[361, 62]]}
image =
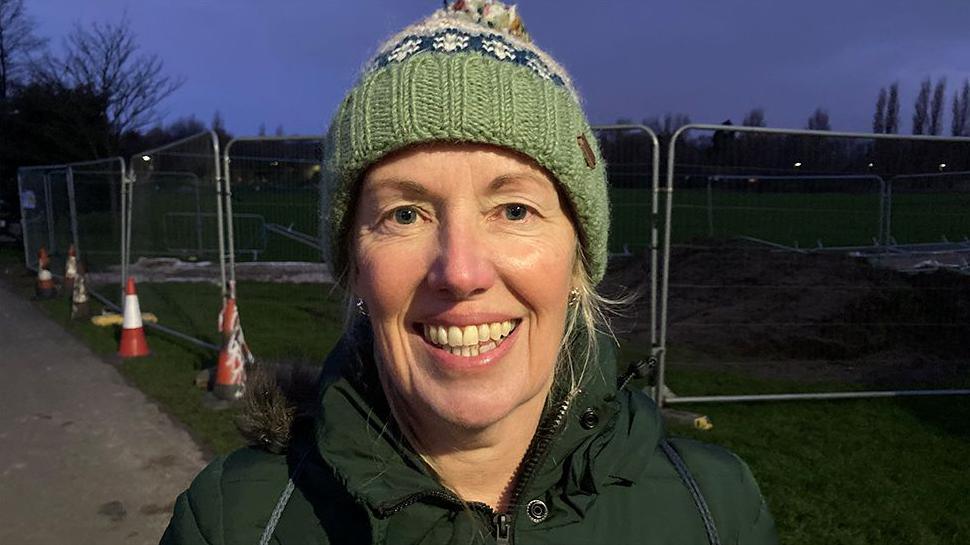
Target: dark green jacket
{"points": [[595, 467]]}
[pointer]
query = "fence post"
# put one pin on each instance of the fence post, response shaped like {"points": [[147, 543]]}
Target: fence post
{"points": [[49, 211], [72, 206], [23, 218], [230, 219]]}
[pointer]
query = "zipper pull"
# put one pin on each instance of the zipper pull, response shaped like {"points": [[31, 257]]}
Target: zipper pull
{"points": [[503, 529]]}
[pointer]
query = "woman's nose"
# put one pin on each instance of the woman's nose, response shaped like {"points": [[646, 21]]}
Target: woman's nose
{"points": [[463, 266]]}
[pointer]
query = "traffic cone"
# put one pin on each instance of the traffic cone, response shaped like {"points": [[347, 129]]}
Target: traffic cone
{"points": [[133, 343], [70, 271], [230, 383], [79, 297], [45, 288]]}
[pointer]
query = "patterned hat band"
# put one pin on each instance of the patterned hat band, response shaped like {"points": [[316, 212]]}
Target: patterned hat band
{"points": [[457, 40]]}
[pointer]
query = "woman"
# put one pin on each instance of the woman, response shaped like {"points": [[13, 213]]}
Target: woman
{"points": [[470, 400]]}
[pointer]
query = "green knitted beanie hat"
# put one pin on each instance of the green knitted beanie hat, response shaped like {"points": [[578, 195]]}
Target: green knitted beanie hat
{"points": [[468, 73]]}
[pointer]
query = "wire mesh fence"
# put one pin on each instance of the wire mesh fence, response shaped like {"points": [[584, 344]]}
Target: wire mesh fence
{"points": [[97, 218], [823, 262], [173, 232], [776, 271], [274, 184], [45, 200], [631, 153]]}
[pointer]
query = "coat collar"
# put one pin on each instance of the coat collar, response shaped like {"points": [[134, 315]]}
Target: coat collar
{"points": [[359, 439]]}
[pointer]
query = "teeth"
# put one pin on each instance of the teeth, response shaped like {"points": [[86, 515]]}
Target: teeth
{"points": [[470, 335], [454, 336], [477, 339]]}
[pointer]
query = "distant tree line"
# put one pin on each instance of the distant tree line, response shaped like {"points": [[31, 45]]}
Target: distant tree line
{"points": [[97, 96]]}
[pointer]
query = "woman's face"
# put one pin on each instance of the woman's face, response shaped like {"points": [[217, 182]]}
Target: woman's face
{"points": [[464, 255]]}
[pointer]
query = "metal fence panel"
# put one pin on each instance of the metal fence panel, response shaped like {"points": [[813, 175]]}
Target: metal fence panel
{"points": [[97, 213], [774, 283], [173, 232], [45, 203], [273, 198], [632, 156]]}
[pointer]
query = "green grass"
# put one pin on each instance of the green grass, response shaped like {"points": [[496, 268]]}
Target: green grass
{"points": [[843, 472], [852, 472], [803, 219]]}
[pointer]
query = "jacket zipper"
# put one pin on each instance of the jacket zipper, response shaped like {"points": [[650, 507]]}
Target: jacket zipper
{"points": [[443, 496], [503, 529], [534, 457], [502, 522]]}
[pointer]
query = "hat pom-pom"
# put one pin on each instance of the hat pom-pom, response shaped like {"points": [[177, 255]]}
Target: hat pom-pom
{"points": [[492, 14]]}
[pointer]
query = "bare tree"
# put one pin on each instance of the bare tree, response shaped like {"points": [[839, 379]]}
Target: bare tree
{"points": [[961, 111], [754, 118], [936, 108], [278, 131], [879, 119], [262, 129], [819, 121], [106, 59], [892, 109], [668, 125], [921, 107], [17, 44]]}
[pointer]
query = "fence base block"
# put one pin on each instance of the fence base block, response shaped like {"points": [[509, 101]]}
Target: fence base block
{"points": [[687, 418]]}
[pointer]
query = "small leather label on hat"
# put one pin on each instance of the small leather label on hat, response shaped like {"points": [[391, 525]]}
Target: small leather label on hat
{"points": [[587, 151]]}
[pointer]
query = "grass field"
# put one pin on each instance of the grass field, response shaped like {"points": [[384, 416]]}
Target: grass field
{"points": [[852, 472], [803, 219]]}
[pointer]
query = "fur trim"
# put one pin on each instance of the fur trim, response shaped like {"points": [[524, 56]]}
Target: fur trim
{"points": [[280, 400]]}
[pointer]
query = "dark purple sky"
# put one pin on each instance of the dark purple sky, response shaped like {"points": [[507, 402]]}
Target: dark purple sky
{"points": [[289, 62]]}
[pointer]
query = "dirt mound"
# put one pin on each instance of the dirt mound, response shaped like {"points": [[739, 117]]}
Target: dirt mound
{"points": [[744, 302]]}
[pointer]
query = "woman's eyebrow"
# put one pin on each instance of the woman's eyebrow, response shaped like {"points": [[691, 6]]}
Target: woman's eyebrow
{"points": [[515, 178], [407, 188]]}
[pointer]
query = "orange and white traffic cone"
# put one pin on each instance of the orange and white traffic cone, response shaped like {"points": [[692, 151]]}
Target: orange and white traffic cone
{"points": [[133, 343], [230, 383], [79, 297], [45, 288], [70, 271]]}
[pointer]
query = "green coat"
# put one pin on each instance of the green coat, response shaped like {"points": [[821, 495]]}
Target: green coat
{"points": [[594, 474]]}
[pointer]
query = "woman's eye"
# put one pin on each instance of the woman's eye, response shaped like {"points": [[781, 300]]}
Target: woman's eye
{"points": [[405, 215], [516, 212]]}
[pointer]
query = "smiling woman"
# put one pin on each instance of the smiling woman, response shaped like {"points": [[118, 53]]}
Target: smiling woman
{"points": [[472, 399]]}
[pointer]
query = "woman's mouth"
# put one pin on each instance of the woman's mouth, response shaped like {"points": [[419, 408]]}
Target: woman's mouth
{"points": [[470, 340]]}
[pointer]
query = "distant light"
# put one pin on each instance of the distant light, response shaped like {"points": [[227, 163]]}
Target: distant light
{"points": [[752, 180], [942, 166], [275, 163], [798, 164], [146, 158], [871, 165]]}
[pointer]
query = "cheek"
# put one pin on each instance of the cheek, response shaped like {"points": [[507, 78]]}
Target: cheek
{"points": [[545, 263], [387, 275]]}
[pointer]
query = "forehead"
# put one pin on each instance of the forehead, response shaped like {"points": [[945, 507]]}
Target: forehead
{"points": [[434, 166]]}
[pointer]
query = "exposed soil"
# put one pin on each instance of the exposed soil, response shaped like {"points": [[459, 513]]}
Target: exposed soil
{"points": [[169, 269], [807, 316]]}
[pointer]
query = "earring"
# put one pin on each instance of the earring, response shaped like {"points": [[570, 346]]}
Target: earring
{"points": [[573, 296], [361, 307]]}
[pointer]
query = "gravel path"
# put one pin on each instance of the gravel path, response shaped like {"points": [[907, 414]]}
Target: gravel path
{"points": [[84, 457]]}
